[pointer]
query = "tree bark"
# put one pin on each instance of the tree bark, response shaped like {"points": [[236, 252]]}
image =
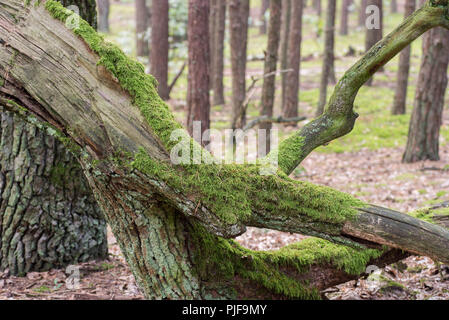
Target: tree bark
{"points": [[48, 215], [362, 13], [285, 35], [426, 121], [344, 22], [160, 46], [142, 24], [400, 98], [328, 62], [393, 6], [374, 35], [238, 25], [271, 59], [219, 37], [171, 220], [198, 80], [103, 15], [290, 109]]}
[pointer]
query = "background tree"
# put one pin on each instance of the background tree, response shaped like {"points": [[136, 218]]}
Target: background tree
{"points": [[263, 19], [238, 29], [48, 215], [393, 6], [285, 36], [329, 44], [344, 21], [271, 59], [374, 35], [318, 6], [160, 46], [198, 81], [173, 221], [103, 15], [142, 25], [290, 109], [362, 13], [400, 98], [218, 61], [426, 121]]}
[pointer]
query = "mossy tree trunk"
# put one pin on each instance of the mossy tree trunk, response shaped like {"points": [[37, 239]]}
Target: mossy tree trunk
{"points": [[174, 222], [48, 215]]}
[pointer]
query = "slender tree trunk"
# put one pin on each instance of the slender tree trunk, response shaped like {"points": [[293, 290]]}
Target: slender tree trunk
{"points": [[48, 215], [285, 35], [290, 109], [424, 132], [198, 80], [329, 44], [160, 46], [212, 33], [263, 20], [142, 24], [400, 98], [271, 59], [362, 13], [344, 17], [219, 38], [374, 34], [103, 15], [238, 25], [393, 6]]}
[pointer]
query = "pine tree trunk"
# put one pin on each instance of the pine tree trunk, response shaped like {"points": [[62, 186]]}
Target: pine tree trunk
{"points": [[328, 64], [142, 24], [362, 13], [271, 59], [344, 17], [103, 15], [290, 109], [160, 46], [393, 6], [212, 32], [238, 20], [198, 80], [400, 98], [318, 7], [285, 35], [220, 30], [426, 121], [374, 35]]}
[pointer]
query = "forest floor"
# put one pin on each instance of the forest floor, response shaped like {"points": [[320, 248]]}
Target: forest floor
{"points": [[366, 164]]}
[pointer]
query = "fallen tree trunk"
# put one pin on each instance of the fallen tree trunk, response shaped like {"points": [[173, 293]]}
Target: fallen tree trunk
{"points": [[171, 220]]}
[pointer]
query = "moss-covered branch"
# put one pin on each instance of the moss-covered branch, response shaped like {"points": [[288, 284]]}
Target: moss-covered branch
{"points": [[339, 117]]}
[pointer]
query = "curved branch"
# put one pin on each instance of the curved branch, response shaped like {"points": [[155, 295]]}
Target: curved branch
{"points": [[339, 117]]}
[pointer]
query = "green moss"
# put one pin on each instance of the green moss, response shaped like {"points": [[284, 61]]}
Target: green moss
{"points": [[288, 151], [226, 259], [428, 214]]}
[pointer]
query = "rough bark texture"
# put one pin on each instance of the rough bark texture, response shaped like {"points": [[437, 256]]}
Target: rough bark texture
{"points": [[400, 98], [218, 61], [142, 25], [238, 25], [328, 62], [169, 219], [426, 121], [103, 15], [199, 69], [48, 215], [160, 46], [271, 59], [290, 109]]}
